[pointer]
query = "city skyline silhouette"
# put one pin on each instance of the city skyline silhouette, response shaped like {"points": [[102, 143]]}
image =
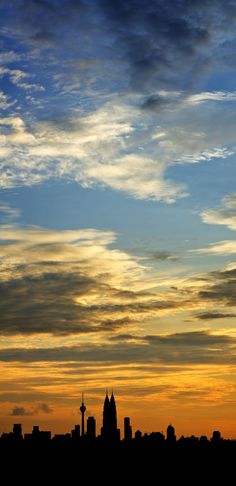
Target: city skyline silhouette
{"points": [[109, 431], [135, 455]]}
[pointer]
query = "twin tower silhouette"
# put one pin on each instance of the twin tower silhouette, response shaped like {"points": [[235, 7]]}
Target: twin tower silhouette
{"points": [[109, 425]]}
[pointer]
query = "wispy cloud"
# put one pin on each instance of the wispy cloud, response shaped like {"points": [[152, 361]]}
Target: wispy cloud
{"points": [[116, 146], [5, 102], [200, 347], [210, 96], [221, 287], [8, 57], [18, 78], [209, 315], [8, 214], [223, 215], [227, 247]]}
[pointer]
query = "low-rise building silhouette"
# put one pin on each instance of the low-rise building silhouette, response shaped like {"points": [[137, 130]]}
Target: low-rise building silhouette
{"points": [[17, 431], [75, 433], [138, 435], [170, 434], [216, 436]]}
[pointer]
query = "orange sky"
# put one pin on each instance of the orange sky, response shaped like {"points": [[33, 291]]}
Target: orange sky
{"points": [[196, 400]]}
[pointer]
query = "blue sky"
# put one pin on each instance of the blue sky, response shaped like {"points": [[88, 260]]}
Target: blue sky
{"points": [[117, 189]]}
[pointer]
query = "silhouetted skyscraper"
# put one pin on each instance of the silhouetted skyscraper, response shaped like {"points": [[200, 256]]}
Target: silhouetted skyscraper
{"points": [[113, 415], [83, 410], [127, 429], [106, 417], [109, 428], [91, 427]]}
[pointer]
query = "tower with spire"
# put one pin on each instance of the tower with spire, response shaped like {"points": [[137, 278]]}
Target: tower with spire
{"points": [[83, 410], [113, 415], [109, 429]]}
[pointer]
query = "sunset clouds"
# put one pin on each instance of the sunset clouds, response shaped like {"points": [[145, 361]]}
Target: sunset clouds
{"points": [[76, 282]]}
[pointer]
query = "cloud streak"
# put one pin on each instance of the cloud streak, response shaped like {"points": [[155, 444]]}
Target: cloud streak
{"points": [[199, 347], [8, 214], [209, 315], [227, 247], [18, 78], [221, 287], [224, 215]]}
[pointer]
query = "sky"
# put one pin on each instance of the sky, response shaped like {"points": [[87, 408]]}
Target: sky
{"points": [[118, 213]]}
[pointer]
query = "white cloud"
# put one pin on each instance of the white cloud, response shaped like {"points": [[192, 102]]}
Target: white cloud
{"points": [[17, 77], [7, 57], [4, 101], [119, 145], [133, 174], [224, 215], [227, 247], [18, 133], [206, 155], [211, 96]]}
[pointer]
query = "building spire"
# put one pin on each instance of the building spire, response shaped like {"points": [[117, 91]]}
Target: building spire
{"points": [[83, 410]]}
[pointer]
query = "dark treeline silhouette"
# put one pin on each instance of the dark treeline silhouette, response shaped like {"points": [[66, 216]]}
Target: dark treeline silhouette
{"points": [[153, 453]]}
